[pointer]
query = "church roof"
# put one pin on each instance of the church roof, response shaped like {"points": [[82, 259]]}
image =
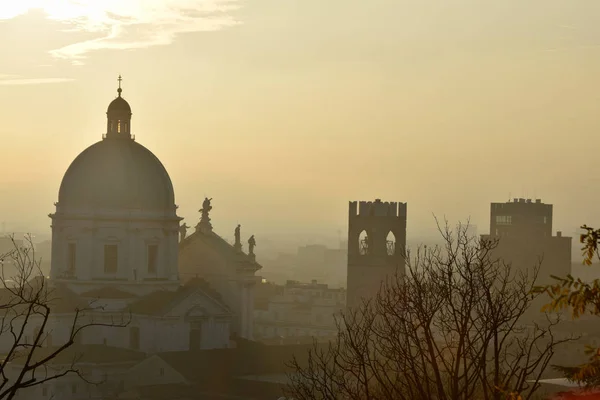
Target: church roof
{"points": [[222, 247], [117, 174], [161, 302], [248, 359], [60, 298], [89, 353], [108, 292]]}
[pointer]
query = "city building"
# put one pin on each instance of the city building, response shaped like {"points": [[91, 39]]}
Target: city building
{"points": [[376, 246], [299, 311], [523, 229]]}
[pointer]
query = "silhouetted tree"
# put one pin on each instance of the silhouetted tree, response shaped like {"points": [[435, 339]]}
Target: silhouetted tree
{"points": [[449, 329], [26, 312], [581, 298]]}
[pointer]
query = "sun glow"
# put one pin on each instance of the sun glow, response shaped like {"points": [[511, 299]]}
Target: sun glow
{"points": [[126, 24]]}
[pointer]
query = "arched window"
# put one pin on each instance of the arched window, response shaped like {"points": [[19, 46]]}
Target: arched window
{"points": [[119, 126], [363, 243], [391, 243]]}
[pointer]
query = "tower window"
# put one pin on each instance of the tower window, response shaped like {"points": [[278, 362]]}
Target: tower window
{"points": [[118, 126], [152, 258], [71, 258], [363, 243], [391, 244], [111, 258]]}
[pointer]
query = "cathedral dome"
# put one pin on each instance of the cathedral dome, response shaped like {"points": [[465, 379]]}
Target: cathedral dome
{"points": [[119, 175]]}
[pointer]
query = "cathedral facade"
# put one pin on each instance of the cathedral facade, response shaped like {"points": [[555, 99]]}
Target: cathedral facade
{"points": [[115, 243]]}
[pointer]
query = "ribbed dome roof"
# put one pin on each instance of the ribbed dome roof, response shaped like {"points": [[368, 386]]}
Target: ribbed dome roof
{"points": [[117, 174]]}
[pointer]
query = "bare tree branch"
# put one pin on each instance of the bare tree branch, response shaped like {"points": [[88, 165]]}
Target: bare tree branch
{"points": [[26, 305], [450, 328]]}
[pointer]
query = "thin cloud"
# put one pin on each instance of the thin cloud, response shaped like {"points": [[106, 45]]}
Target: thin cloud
{"points": [[30, 81], [130, 24]]}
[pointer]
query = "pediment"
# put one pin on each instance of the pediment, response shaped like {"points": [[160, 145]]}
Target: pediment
{"points": [[198, 304], [210, 252], [197, 311]]}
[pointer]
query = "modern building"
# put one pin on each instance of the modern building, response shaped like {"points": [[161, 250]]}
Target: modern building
{"points": [[523, 229], [376, 246], [522, 218]]}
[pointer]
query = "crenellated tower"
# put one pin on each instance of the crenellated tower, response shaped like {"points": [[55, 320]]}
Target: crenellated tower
{"points": [[376, 246]]}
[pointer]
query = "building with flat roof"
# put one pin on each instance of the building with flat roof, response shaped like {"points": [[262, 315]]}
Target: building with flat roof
{"points": [[523, 228], [521, 217]]}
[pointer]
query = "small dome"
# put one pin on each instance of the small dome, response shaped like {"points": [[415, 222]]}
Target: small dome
{"points": [[117, 175], [119, 105]]}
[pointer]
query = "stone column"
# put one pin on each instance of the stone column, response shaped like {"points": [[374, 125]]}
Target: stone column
{"points": [[84, 255], [243, 311], [173, 255], [55, 263], [128, 261], [250, 293]]}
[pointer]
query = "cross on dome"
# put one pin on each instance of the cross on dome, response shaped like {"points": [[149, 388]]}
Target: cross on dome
{"points": [[119, 90]]}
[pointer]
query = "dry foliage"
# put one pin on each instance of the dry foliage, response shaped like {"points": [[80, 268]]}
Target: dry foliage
{"points": [[449, 329], [581, 298], [26, 305]]}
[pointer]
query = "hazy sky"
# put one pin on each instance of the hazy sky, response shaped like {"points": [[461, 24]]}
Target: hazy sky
{"points": [[283, 111]]}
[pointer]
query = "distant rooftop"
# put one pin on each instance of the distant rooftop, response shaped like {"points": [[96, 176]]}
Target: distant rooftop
{"points": [[312, 285], [523, 200]]}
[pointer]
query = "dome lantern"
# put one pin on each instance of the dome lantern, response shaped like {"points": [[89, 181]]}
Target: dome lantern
{"points": [[118, 116]]}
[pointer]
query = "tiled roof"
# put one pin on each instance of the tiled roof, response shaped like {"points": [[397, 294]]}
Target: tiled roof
{"points": [[162, 301], [108, 292], [222, 246], [58, 297], [91, 353], [218, 365]]}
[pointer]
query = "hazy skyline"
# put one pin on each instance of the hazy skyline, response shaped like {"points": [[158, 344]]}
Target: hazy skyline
{"points": [[284, 111]]}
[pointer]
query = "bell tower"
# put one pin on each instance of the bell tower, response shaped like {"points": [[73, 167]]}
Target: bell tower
{"points": [[376, 246]]}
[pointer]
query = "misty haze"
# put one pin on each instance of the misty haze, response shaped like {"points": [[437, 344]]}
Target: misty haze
{"points": [[308, 200]]}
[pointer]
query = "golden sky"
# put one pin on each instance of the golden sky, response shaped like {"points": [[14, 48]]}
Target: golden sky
{"points": [[283, 111]]}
